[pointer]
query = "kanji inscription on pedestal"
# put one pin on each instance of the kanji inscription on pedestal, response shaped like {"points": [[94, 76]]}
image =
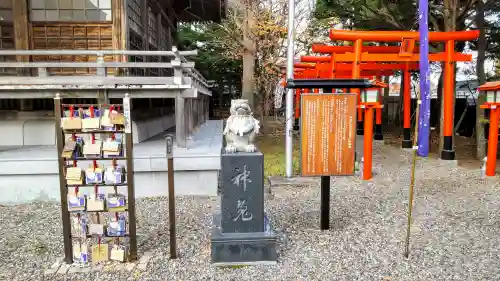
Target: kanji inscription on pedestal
{"points": [[328, 134]]}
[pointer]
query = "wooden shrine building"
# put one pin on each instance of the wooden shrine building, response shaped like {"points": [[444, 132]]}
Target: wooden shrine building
{"points": [[95, 51], [70, 26]]}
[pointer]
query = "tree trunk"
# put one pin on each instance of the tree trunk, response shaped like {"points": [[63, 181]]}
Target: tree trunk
{"points": [[247, 80], [481, 77]]}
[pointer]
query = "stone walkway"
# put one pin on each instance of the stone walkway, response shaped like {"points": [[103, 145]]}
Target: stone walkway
{"points": [[454, 234]]}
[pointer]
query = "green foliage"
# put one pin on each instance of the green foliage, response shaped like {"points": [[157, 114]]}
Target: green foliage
{"points": [[213, 61], [370, 14], [486, 121]]}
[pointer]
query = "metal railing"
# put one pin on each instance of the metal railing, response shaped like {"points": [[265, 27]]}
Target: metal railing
{"points": [[185, 76], [189, 88]]}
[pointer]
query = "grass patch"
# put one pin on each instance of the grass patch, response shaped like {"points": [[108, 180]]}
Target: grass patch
{"points": [[273, 148], [234, 266]]}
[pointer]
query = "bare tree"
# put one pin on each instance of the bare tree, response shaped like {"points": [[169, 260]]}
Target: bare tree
{"points": [[256, 31], [481, 77]]}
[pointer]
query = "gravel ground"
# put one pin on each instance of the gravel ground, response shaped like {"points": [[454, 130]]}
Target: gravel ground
{"points": [[454, 235]]}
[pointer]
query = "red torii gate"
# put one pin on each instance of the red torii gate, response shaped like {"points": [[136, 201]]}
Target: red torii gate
{"points": [[309, 71], [405, 67], [324, 63], [407, 53]]}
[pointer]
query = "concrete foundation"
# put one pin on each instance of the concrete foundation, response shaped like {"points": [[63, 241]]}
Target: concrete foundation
{"points": [[31, 173], [40, 130]]}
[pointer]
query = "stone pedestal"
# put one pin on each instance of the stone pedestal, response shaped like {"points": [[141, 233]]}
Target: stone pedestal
{"points": [[242, 233]]}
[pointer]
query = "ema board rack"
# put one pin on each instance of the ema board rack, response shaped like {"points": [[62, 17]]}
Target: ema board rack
{"points": [[94, 146]]}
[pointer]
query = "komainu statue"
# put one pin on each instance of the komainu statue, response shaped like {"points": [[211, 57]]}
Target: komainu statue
{"points": [[241, 128]]}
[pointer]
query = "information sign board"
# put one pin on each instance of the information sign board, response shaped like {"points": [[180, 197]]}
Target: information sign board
{"points": [[328, 134]]}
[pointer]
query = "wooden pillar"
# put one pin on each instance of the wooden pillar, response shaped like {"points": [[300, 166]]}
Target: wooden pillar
{"points": [[145, 29], [119, 20], [190, 118], [201, 114], [119, 33], [202, 109], [102, 97], [180, 132], [187, 117], [145, 24], [207, 109], [198, 111], [21, 33], [21, 26], [195, 114]]}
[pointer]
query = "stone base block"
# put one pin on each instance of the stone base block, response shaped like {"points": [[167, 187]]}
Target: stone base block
{"points": [[406, 144], [448, 155], [237, 249]]}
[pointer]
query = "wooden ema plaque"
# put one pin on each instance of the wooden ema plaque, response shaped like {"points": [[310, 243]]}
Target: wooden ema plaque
{"points": [[328, 134]]}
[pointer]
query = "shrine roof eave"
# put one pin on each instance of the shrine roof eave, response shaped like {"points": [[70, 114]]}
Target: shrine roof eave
{"points": [[490, 86], [199, 10]]}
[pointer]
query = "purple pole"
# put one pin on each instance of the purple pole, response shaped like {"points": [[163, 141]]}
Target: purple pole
{"points": [[425, 85]]}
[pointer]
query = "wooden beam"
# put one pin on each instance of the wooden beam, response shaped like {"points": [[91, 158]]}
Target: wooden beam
{"points": [[164, 15], [169, 21], [171, 10]]}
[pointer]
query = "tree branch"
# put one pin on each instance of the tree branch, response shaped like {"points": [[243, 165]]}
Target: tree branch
{"points": [[434, 22], [466, 11]]}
